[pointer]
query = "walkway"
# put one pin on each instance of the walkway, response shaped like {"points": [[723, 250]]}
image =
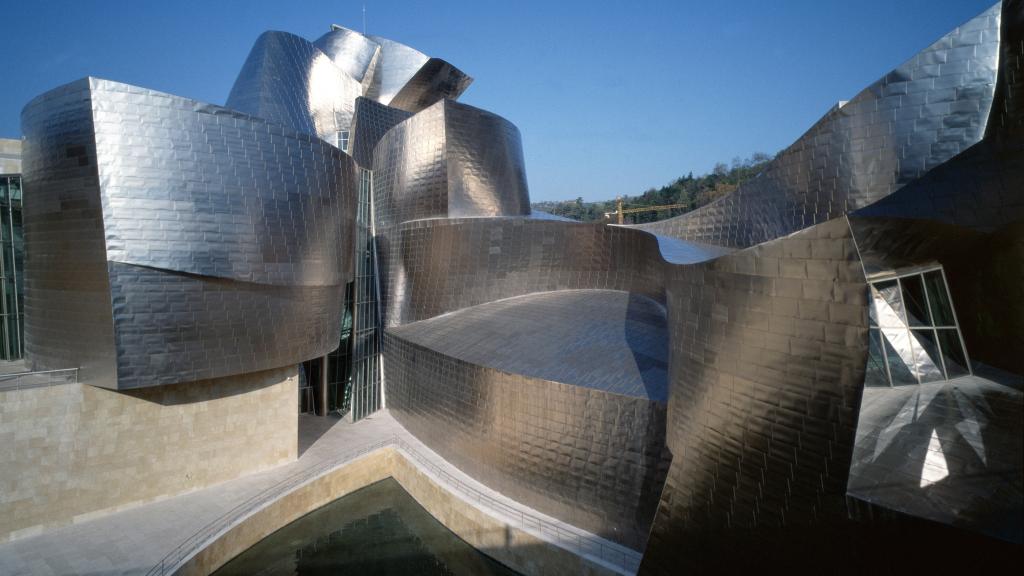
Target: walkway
{"points": [[137, 540]]}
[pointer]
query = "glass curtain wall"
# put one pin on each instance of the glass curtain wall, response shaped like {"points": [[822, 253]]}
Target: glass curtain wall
{"points": [[914, 336], [12, 263], [366, 370]]}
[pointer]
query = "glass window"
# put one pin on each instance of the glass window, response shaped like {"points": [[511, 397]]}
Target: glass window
{"points": [[876, 375], [952, 353], [900, 355], [916, 337], [938, 297], [888, 304], [914, 301], [929, 365]]}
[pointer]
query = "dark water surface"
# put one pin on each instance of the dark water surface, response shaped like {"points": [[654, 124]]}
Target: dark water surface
{"points": [[380, 529]]}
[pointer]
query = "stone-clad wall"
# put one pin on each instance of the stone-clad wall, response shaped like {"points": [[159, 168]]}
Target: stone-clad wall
{"points": [[69, 452]]}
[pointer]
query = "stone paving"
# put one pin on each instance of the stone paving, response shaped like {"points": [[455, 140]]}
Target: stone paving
{"points": [[135, 540]]}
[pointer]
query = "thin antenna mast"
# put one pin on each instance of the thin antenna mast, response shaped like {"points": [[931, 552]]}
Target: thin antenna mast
{"points": [[364, 17]]}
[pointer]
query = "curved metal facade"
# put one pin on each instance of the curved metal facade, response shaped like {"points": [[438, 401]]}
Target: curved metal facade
{"points": [[449, 161], [917, 117], [431, 267], [699, 377], [289, 81], [213, 247]]}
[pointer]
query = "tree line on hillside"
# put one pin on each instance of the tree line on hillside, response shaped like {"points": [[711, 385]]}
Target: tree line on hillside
{"points": [[691, 191]]}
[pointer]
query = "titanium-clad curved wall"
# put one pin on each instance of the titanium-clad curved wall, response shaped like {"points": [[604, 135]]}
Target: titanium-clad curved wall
{"points": [[372, 121], [223, 240], [449, 161], [586, 456], [768, 348], [918, 116], [289, 81], [355, 54], [396, 65], [436, 80], [430, 267]]}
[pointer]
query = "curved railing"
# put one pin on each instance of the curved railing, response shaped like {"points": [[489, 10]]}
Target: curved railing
{"points": [[617, 556]]}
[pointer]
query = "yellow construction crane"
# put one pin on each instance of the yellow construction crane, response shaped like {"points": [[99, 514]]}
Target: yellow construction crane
{"points": [[620, 211]]}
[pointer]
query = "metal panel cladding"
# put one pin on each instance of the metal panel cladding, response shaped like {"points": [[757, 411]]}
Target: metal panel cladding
{"points": [[353, 53], [397, 64], [224, 240], [372, 121], [435, 81], [431, 267], [918, 116], [288, 80], [768, 348], [450, 160]]}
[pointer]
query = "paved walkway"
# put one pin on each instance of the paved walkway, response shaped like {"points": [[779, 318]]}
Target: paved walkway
{"points": [[135, 540]]}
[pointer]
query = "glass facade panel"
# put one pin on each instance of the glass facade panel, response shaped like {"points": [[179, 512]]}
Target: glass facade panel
{"points": [[889, 304], [876, 375], [914, 301], [928, 363], [938, 297], [366, 374], [952, 353], [900, 356], [12, 262], [917, 338]]}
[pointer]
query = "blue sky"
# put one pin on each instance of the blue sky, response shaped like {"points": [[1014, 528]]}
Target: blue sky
{"points": [[611, 97]]}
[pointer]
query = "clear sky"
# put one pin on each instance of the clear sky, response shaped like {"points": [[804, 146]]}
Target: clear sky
{"points": [[612, 97]]}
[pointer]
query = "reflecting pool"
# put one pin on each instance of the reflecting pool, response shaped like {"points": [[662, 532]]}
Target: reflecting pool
{"points": [[380, 529]]}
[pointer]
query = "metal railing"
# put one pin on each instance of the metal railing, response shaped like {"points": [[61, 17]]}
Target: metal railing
{"points": [[612, 554], [40, 379]]}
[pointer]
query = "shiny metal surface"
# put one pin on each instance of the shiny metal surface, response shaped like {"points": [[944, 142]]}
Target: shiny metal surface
{"points": [[431, 267], [586, 456], [768, 348], [396, 66], [372, 122], [209, 242], [436, 80], [923, 113], [289, 81], [601, 339], [355, 54], [449, 161]]}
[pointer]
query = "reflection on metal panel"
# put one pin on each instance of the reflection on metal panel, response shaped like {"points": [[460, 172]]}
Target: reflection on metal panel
{"points": [[430, 267], [397, 64], [600, 339], [289, 81], [585, 456], [435, 81], [190, 236], [918, 116], [355, 54], [908, 312], [768, 349], [449, 160], [371, 122]]}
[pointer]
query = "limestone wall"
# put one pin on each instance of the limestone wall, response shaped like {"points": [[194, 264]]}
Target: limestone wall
{"points": [[74, 451]]}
